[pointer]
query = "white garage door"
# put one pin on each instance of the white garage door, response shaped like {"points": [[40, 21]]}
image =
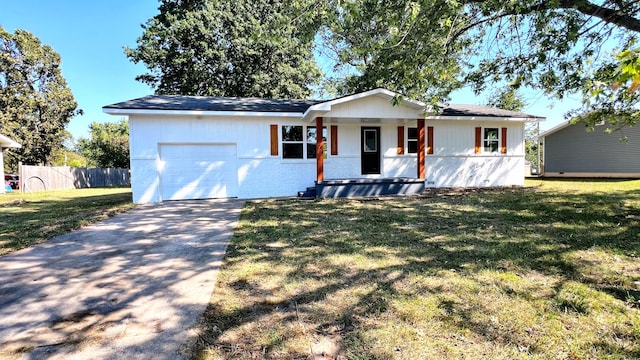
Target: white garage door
{"points": [[198, 171]]}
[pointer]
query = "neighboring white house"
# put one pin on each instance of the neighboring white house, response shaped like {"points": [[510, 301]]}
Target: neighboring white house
{"points": [[5, 143], [185, 147], [572, 151]]}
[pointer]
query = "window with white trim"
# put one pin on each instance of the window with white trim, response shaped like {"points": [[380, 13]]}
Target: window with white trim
{"points": [[412, 140], [292, 142], [491, 140], [299, 142]]}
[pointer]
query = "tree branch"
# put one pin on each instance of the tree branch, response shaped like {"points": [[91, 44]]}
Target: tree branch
{"points": [[608, 15], [616, 17], [620, 17]]}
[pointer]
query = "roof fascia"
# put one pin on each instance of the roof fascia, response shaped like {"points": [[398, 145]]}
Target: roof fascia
{"points": [[112, 111], [310, 115], [555, 129], [483, 118], [6, 142], [325, 107]]}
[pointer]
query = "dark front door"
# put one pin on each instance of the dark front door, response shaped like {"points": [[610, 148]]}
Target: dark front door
{"points": [[370, 150]]}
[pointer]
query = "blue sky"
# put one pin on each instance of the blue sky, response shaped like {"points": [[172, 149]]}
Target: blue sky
{"points": [[90, 37]]}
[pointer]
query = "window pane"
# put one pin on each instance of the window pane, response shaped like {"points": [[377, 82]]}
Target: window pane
{"points": [[412, 147], [291, 133], [491, 134], [311, 134], [292, 151], [412, 133], [311, 151], [370, 141], [490, 145]]}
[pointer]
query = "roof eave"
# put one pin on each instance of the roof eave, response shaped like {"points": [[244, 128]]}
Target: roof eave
{"points": [[485, 118], [6, 142], [311, 114], [324, 107], [114, 111], [555, 129]]}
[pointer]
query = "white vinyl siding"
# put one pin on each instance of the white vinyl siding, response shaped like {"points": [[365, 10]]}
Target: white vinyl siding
{"points": [[575, 150], [454, 162]]}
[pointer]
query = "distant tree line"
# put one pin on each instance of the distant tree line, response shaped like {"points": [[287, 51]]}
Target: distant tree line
{"points": [[35, 102], [424, 49]]}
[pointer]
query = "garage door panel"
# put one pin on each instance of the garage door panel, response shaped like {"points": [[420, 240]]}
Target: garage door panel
{"points": [[198, 171]]}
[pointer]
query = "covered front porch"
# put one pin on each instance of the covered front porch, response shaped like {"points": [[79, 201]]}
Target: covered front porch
{"points": [[382, 146]]}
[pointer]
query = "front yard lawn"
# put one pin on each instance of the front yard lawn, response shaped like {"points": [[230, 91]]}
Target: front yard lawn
{"points": [[551, 271], [27, 219]]}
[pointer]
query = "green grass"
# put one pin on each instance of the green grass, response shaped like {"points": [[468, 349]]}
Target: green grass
{"points": [[550, 271], [28, 219]]}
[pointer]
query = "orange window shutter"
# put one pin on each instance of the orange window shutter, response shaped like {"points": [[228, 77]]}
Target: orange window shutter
{"points": [[478, 140], [400, 140], [503, 148], [334, 140], [274, 140], [429, 139]]}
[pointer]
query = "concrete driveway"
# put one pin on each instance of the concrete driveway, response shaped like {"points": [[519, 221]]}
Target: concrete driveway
{"points": [[130, 287]]}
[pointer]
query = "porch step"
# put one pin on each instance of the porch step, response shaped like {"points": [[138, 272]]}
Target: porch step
{"points": [[310, 193], [369, 187]]}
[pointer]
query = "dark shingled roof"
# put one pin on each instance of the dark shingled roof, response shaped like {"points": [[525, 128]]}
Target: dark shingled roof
{"points": [[203, 103], [484, 111]]}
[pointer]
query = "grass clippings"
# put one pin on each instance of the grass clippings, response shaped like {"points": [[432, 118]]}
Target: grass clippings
{"points": [[550, 271], [32, 218]]}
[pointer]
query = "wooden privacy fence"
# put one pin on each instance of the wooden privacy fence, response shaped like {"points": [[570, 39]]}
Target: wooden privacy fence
{"points": [[41, 178]]}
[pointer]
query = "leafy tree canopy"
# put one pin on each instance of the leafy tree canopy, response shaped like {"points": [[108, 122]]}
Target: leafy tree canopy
{"points": [[614, 93], [68, 154], [230, 48], [422, 48], [507, 99], [107, 146], [426, 48], [399, 45], [64, 157], [35, 102]]}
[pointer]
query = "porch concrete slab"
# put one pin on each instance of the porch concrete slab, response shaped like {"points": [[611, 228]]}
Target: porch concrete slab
{"points": [[130, 287], [340, 188]]}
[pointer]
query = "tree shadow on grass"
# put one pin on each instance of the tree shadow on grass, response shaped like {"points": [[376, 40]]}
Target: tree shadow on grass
{"points": [[345, 264], [27, 223]]}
